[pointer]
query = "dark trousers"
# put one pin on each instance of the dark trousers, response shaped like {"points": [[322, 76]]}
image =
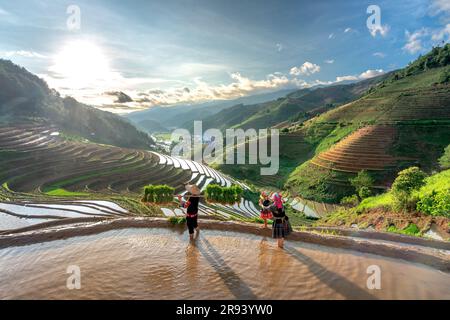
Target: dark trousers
{"points": [[191, 224]]}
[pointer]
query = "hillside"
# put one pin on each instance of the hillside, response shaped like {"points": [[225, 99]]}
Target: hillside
{"points": [[296, 107], [25, 98], [402, 122]]}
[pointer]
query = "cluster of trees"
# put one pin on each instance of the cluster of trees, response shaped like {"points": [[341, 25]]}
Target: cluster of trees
{"points": [[437, 57], [158, 194], [363, 184], [224, 195], [405, 186], [406, 195]]}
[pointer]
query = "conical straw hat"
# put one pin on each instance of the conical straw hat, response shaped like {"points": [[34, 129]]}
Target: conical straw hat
{"points": [[193, 189]]}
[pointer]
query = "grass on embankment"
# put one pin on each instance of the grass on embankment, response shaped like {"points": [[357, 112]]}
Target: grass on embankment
{"points": [[378, 212]]}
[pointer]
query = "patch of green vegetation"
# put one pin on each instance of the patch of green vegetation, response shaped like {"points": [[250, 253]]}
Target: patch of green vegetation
{"points": [[340, 217], [60, 192], [422, 140], [444, 161], [72, 137], [319, 184], [258, 220], [177, 220], [432, 198], [5, 186], [297, 218], [411, 230], [436, 182], [163, 136], [384, 200], [341, 131]]}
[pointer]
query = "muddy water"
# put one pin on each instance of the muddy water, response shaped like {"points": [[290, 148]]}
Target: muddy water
{"points": [[161, 264]]}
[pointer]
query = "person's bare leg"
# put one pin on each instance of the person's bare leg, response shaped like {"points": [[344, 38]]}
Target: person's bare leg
{"points": [[265, 223], [281, 243]]}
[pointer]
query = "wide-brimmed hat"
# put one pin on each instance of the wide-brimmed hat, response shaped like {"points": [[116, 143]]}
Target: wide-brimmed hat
{"points": [[192, 189]]}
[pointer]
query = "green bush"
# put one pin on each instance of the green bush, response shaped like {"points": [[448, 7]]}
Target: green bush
{"points": [[363, 183], [350, 200], [407, 181], [436, 203], [444, 161], [225, 195], [158, 194], [364, 192]]}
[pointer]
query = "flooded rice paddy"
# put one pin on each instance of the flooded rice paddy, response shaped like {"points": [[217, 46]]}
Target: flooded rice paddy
{"points": [[162, 264]]}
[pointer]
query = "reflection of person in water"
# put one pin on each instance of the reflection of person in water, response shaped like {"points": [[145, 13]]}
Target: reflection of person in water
{"points": [[191, 206]]}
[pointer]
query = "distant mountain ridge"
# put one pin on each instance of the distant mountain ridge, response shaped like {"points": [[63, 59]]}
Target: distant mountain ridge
{"points": [[182, 115], [24, 97], [297, 106]]}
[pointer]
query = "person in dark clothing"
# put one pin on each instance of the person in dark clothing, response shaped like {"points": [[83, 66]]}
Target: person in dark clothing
{"points": [[191, 205], [281, 227]]}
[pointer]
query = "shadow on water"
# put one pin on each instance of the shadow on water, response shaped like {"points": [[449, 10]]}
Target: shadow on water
{"points": [[235, 284], [341, 285]]}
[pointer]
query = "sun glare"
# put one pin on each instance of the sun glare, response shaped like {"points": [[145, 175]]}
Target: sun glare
{"points": [[80, 63]]}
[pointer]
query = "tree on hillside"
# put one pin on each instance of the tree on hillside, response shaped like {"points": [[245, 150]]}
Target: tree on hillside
{"points": [[407, 181], [363, 183], [445, 76], [444, 161]]}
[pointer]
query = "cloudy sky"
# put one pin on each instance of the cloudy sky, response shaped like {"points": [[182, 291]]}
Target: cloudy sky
{"points": [[185, 51]]}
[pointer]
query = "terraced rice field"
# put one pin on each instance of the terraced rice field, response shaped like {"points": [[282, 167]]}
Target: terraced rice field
{"points": [[14, 216], [365, 149], [37, 160]]}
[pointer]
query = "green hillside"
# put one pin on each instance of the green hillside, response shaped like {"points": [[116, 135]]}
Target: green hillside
{"points": [[402, 120], [412, 104], [25, 98]]}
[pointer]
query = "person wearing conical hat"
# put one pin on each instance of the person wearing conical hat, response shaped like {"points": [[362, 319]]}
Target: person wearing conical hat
{"points": [[191, 206]]}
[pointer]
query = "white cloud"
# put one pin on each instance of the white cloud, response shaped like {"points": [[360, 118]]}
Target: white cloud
{"points": [[198, 91], [441, 35], [279, 47], [370, 74], [22, 53], [439, 6], [331, 36], [379, 54], [414, 41], [307, 69], [330, 61], [346, 78], [363, 76], [383, 30], [347, 30]]}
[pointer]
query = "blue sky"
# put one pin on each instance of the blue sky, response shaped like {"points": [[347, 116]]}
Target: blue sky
{"points": [[164, 52]]}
